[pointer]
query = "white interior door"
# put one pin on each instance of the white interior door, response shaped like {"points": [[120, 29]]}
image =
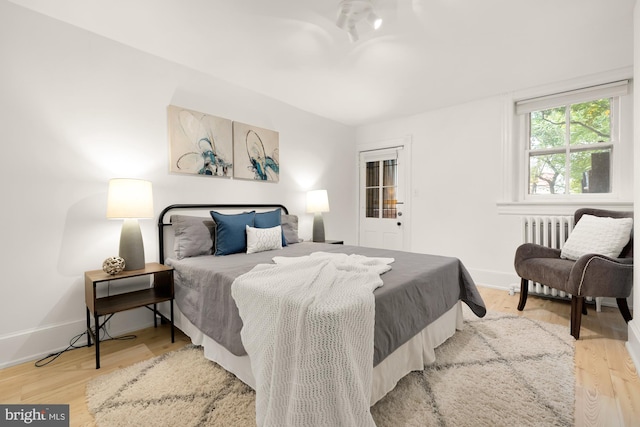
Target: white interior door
{"points": [[383, 206]]}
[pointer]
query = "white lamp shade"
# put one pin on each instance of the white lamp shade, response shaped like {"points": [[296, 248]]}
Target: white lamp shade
{"points": [[129, 198], [317, 201]]}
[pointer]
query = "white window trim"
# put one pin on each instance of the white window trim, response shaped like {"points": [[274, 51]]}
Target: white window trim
{"points": [[514, 198]]}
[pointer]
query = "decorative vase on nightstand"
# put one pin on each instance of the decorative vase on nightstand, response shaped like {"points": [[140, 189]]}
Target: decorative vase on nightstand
{"points": [[113, 265]]}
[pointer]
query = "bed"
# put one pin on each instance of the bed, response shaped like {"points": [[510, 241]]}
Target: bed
{"points": [[418, 307]]}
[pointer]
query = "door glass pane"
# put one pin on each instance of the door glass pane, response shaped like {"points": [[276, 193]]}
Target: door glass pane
{"points": [[591, 122], [591, 171], [389, 182], [373, 174], [548, 128], [389, 203], [372, 209], [546, 174], [389, 177], [373, 203]]}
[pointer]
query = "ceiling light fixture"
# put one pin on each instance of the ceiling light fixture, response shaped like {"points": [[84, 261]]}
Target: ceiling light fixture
{"points": [[374, 20], [353, 34], [351, 12]]}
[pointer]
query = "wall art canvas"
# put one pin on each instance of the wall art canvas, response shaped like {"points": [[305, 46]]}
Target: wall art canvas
{"points": [[200, 144], [255, 153]]}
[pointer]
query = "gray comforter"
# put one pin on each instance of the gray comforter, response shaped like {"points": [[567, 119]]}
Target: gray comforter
{"points": [[418, 290]]}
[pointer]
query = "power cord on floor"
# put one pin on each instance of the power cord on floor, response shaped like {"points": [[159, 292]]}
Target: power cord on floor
{"points": [[53, 356]]}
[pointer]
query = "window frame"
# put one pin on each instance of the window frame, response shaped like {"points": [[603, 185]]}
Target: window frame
{"points": [[383, 211], [568, 149], [514, 199]]}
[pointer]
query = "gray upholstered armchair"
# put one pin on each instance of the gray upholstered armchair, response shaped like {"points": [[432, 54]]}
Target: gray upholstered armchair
{"points": [[590, 275]]}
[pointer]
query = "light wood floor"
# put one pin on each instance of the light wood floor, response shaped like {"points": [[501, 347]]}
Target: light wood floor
{"points": [[607, 383]]}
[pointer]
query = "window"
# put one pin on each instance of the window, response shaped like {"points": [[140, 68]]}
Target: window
{"points": [[381, 185], [570, 142], [569, 148]]}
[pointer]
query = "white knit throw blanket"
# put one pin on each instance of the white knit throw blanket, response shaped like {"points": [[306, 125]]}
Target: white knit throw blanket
{"points": [[308, 327]]}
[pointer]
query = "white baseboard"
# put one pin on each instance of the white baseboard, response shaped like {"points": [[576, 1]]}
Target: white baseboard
{"points": [[34, 344], [494, 279], [633, 342]]}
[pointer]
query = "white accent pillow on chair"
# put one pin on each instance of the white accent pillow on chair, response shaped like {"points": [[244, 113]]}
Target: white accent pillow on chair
{"points": [[597, 235]]}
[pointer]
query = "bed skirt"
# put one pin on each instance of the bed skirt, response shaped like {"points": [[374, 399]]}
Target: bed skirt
{"points": [[413, 355]]}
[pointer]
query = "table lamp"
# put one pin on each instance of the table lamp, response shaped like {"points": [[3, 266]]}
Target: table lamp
{"points": [[317, 202], [130, 199]]}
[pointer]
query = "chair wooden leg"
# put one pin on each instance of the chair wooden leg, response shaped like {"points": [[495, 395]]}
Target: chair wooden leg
{"points": [[584, 309], [576, 315], [624, 309], [524, 290]]}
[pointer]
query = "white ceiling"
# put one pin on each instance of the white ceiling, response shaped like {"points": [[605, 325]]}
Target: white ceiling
{"points": [[428, 53]]}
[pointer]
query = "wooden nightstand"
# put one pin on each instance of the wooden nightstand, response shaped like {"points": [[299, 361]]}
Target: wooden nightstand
{"points": [[162, 290]]}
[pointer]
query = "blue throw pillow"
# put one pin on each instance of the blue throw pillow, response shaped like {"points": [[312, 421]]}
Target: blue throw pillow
{"points": [[270, 219], [231, 235]]}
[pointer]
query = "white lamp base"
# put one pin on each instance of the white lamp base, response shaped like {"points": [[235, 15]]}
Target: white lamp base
{"points": [[131, 246], [318, 227]]}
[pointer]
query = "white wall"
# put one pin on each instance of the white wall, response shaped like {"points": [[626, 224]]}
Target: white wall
{"points": [[456, 169], [76, 110]]}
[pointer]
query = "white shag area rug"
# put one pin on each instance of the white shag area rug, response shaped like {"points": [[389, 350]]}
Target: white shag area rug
{"points": [[501, 370]]}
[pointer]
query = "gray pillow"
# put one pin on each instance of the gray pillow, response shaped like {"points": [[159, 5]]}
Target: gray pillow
{"points": [[290, 228], [194, 236]]}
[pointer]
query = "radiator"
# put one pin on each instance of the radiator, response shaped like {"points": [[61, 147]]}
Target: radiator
{"points": [[550, 231]]}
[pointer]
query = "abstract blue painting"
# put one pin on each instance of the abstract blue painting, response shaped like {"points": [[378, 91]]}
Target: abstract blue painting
{"points": [[200, 144], [256, 153]]}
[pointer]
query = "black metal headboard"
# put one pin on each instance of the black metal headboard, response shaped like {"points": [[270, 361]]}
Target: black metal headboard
{"points": [[162, 224]]}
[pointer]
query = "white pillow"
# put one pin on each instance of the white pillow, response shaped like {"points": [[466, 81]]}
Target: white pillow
{"points": [[597, 235], [263, 239]]}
